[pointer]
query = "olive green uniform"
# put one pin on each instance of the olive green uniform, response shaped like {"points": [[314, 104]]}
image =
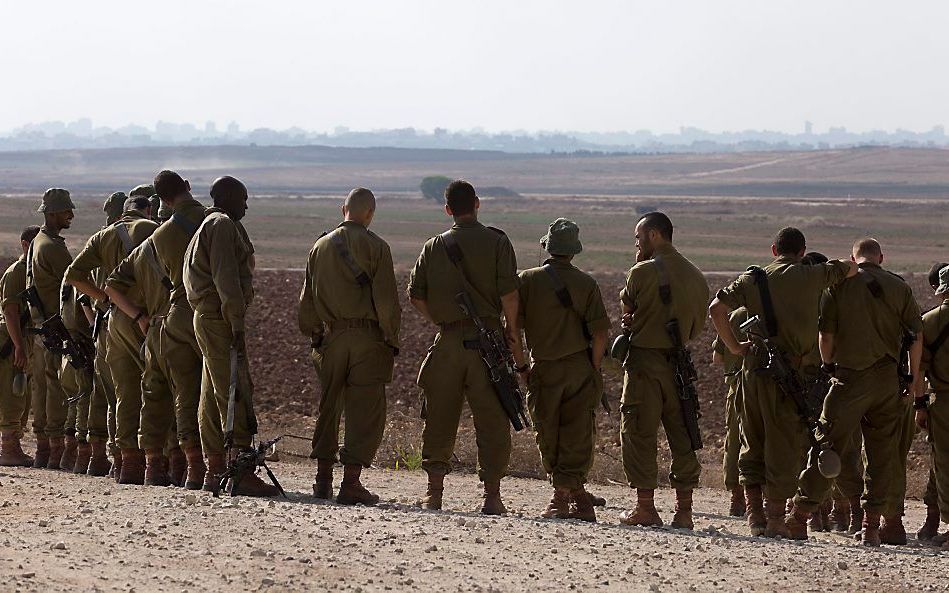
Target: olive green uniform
{"points": [[354, 362], [733, 371], [775, 435], [218, 280], [178, 345], [563, 386], [868, 332], [936, 366], [76, 383], [12, 405], [650, 396], [453, 372], [49, 259]]}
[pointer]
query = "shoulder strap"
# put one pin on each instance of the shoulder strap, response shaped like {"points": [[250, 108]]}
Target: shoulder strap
{"points": [[560, 289], [362, 278], [122, 230], [451, 246], [29, 260], [152, 258], [665, 291], [873, 285], [189, 227], [939, 341], [767, 305]]}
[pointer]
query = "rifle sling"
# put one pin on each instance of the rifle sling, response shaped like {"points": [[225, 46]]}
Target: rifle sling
{"points": [[767, 305], [189, 227], [563, 295], [362, 278], [152, 258], [939, 341], [122, 230], [455, 256]]}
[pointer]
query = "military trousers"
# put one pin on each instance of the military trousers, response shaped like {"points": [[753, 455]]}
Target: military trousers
{"points": [[850, 481], [732, 431], [354, 366], [50, 409], [77, 385], [868, 398], [178, 347], [101, 422], [649, 399], [215, 339], [562, 397], [157, 421], [127, 365], [937, 490], [12, 405], [450, 375]]}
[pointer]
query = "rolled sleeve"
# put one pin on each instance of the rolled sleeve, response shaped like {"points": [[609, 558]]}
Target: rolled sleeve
{"points": [[507, 279], [418, 278]]}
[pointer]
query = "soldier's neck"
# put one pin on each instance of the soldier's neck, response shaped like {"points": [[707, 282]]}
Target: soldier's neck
{"points": [[466, 219]]}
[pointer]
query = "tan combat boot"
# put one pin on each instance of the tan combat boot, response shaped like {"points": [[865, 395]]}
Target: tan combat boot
{"points": [[775, 510], [250, 484], [57, 445], [683, 512], [11, 453], [436, 487], [99, 463], [645, 513], [116, 470], [42, 452], [871, 529], [840, 515], [892, 531], [133, 467], [796, 523], [856, 515], [215, 469], [323, 483], [351, 490], [156, 471], [177, 467], [68, 461], [194, 475], [930, 527], [559, 505], [755, 510], [83, 455], [581, 505], [492, 499], [738, 505], [597, 501]]}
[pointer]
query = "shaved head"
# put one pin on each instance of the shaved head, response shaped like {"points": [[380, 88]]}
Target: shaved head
{"points": [[867, 248], [360, 201], [230, 195]]}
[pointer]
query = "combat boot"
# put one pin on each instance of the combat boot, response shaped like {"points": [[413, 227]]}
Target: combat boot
{"points": [[856, 515], [433, 494], [892, 531], [116, 470], [581, 506], [41, 457], [597, 501], [796, 523], [930, 528], [56, 447], [133, 467], [738, 505], [840, 515], [194, 475], [492, 499], [645, 513], [215, 469], [68, 460], [323, 483], [11, 453], [871, 528], [775, 509], [820, 519], [83, 455], [99, 464], [251, 485], [351, 490], [177, 467], [559, 505], [755, 510], [156, 473], [683, 513]]}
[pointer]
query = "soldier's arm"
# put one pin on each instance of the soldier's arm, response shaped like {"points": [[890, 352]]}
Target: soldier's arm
{"points": [[718, 311], [11, 314], [510, 303], [79, 272], [600, 339], [917, 389], [225, 273], [118, 284], [825, 343], [418, 286], [421, 306], [308, 320], [386, 298]]}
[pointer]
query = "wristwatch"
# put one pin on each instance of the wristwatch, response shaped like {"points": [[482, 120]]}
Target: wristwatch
{"points": [[523, 368], [921, 402], [829, 367]]}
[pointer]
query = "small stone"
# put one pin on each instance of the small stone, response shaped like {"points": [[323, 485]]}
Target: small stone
{"points": [[479, 540], [460, 521], [842, 565], [432, 548], [58, 546], [28, 575], [266, 581], [258, 552], [44, 523], [128, 523], [190, 499], [654, 588]]}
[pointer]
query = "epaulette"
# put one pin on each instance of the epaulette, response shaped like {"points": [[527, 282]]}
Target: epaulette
{"points": [[895, 274], [323, 234], [496, 230]]}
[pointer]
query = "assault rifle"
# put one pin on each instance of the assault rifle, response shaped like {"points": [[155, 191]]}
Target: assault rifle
{"points": [[245, 463], [500, 362], [685, 377], [809, 400], [79, 352], [903, 370]]}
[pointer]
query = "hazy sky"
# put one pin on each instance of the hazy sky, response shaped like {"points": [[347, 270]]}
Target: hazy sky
{"points": [[500, 65]]}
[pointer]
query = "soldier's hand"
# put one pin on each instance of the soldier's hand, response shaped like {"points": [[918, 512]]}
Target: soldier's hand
{"points": [[922, 419], [627, 320], [19, 357]]}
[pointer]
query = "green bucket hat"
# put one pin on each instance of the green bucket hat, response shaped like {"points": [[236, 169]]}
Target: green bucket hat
{"points": [[943, 281], [145, 190], [562, 238], [113, 206], [56, 200]]}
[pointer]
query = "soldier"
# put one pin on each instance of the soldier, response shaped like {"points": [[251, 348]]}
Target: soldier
{"points": [[862, 324], [46, 265], [103, 251], [217, 277], [15, 353], [349, 289], [177, 343], [732, 365], [479, 260], [76, 380], [663, 285], [933, 416], [785, 294], [566, 327]]}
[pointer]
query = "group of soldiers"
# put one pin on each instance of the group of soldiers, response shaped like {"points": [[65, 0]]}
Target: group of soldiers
{"points": [[154, 371]]}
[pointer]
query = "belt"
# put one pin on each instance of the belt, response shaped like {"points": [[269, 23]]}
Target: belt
{"points": [[467, 323], [341, 324]]}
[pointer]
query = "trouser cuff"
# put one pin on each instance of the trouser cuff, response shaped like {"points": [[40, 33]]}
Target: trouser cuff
{"points": [[565, 481]]}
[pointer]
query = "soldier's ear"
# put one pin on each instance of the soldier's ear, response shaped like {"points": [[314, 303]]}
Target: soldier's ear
{"points": [[188, 184], [448, 210], [774, 250]]}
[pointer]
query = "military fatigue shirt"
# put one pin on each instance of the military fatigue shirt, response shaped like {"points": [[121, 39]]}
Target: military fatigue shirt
{"points": [[732, 362], [866, 329], [171, 241], [50, 258], [936, 364], [105, 249], [488, 261], [795, 291], [217, 274], [74, 316], [552, 330], [12, 285], [331, 292], [689, 302], [137, 272]]}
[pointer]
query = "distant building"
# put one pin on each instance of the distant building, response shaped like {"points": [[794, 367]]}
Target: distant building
{"points": [[808, 128]]}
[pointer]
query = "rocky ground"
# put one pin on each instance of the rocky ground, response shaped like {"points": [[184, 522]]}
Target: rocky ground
{"points": [[61, 532]]}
